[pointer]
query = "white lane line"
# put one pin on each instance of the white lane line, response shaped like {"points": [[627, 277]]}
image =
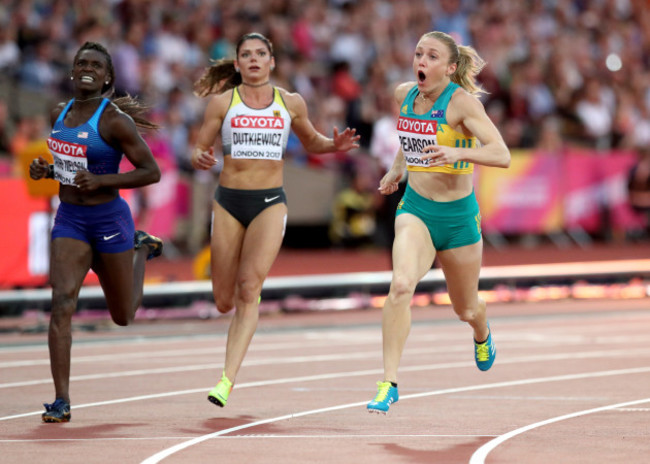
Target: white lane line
{"points": [[340, 357], [480, 454], [258, 348], [248, 363], [181, 446], [425, 367], [136, 340], [351, 337], [253, 435], [351, 435], [113, 375], [81, 440], [201, 367], [260, 383], [112, 357]]}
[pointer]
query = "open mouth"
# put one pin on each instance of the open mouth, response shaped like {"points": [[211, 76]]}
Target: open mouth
{"points": [[421, 76], [86, 79]]}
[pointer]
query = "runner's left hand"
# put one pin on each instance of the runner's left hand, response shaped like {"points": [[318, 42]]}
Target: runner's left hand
{"points": [[346, 140], [86, 181]]}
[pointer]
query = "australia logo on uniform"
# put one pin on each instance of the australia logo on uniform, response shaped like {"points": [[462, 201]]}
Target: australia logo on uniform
{"points": [[438, 114]]}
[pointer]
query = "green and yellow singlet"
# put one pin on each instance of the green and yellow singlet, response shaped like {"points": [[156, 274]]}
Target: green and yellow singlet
{"points": [[416, 131]]}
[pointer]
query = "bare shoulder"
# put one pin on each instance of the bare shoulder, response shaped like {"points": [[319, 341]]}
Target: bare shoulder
{"points": [[221, 98], [294, 102], [291, 99], [115, 124], [402, 90], [56, 111], [463, 100], [113, 114], [59, 107], [218, 104], [463, 105]]}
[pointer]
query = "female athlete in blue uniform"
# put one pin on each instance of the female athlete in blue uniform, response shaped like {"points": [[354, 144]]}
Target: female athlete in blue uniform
{"points": [[254, 119], [93, 227], [443, 131]]}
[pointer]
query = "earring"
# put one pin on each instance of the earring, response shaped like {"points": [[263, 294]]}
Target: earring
{"points": [[71, 78], [107, 82], [236, 70], [272, 68]]}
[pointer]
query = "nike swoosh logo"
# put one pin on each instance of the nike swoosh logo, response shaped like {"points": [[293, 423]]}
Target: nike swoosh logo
{"points": [[56, 131], [108, 237], [266, 200]]}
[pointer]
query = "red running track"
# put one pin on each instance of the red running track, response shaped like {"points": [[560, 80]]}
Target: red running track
{"points": [[570, 385]]}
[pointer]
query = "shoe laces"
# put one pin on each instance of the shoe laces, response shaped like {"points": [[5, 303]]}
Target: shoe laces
{"points": [[382, 391], [58, 404], [482, 352]]}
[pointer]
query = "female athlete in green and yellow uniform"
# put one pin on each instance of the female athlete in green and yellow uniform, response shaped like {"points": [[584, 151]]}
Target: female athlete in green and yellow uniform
{"points": [[443, 131]]}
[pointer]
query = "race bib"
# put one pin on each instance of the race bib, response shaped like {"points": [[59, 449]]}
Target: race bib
{"points": [[257, 137], [414, 135], [68, 159]]}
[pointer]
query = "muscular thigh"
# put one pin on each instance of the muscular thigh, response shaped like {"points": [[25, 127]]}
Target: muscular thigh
{"points": [[115, 272], [413, 251], [225, 247], [70, 262], [462, 267], [262, 242]]}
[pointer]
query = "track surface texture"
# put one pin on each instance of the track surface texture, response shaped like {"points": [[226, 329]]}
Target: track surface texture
{"points": [[569, 385]]}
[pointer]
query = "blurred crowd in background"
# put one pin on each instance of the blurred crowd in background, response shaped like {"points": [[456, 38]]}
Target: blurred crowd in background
{"points": [[559, 72]]}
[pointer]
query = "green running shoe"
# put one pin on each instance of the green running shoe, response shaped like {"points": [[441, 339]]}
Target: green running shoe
{"points": [[219, 394]]}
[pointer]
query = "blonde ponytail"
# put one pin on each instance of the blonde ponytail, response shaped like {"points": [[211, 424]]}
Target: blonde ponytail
{"points": [[470, 65]]}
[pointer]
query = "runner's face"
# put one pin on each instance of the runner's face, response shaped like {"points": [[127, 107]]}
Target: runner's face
{"points": [[255, 60], [431, 63], [90, 71]]}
